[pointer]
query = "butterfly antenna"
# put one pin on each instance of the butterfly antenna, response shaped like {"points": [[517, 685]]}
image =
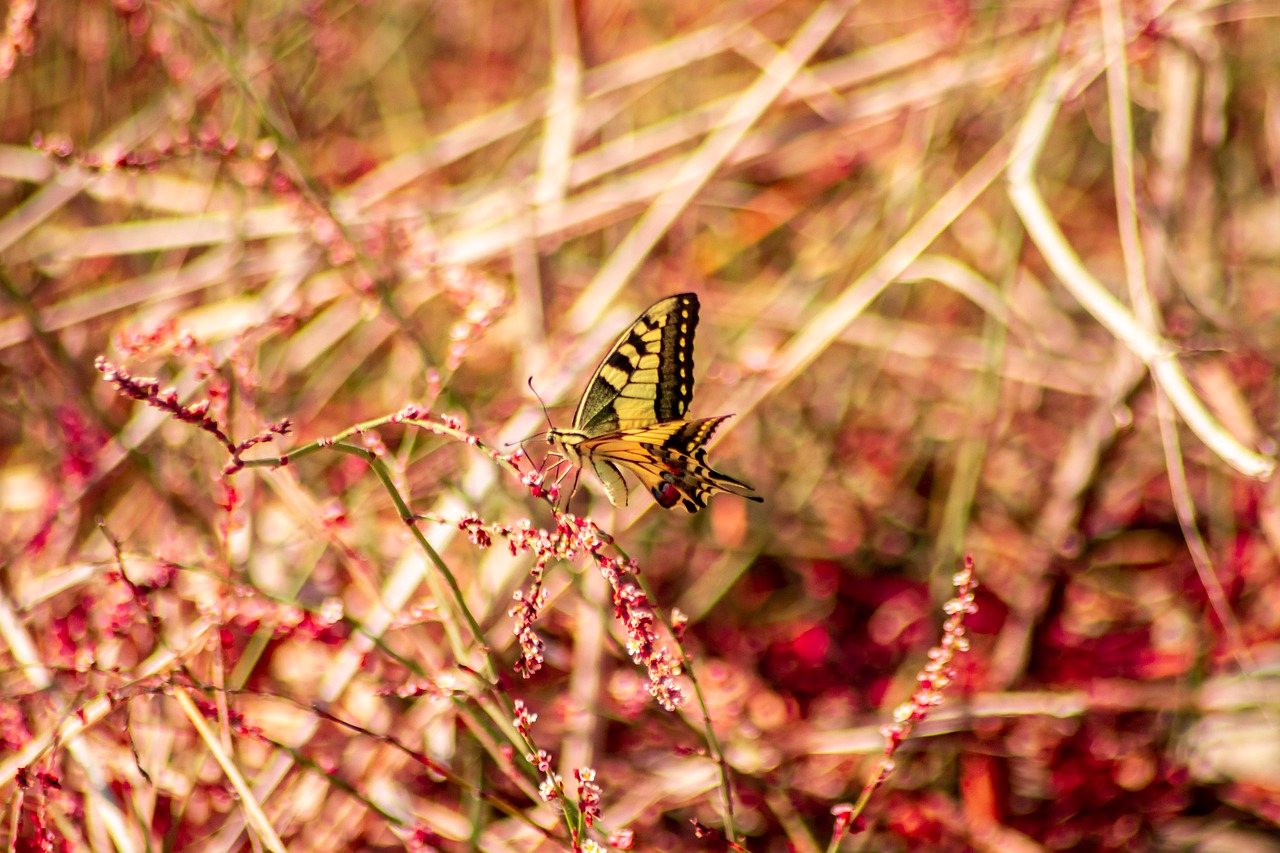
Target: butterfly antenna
{"points": [[561, 460], [544, 414], [538, 396], [526, 438]]}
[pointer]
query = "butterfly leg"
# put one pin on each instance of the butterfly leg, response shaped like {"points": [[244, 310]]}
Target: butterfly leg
{"points": [[562, 465], [573, 487], [553, 467]]}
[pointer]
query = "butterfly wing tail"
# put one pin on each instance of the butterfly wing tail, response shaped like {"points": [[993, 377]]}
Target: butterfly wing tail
{"points": [[682, 473], [687, 479]]}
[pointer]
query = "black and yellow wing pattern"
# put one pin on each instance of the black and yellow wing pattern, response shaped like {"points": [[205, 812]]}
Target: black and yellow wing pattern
{"points": [[632, 415]]}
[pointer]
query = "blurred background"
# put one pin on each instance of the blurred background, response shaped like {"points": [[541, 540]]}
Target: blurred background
{"points": [[327, 211]]}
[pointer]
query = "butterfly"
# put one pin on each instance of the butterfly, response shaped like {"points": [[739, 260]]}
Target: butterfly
{"points": [[632, 415]]}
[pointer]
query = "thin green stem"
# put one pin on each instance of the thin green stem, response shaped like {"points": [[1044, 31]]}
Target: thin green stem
{"points": [[402, 509]]}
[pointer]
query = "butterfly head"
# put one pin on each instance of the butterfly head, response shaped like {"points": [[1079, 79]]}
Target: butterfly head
{"points": [[565, 442]]}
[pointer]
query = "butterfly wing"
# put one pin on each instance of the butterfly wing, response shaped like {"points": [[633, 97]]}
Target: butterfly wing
{"points": [[615, 485], [631, 415], [670, 459], [647, 377]]}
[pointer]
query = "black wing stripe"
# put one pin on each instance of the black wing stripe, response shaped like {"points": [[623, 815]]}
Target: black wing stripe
{"points": [[690, 437], [675, 369], [617, 360]]}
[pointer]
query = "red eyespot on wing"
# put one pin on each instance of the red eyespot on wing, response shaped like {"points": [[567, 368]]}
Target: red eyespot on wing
{"points": [[666, 495]]}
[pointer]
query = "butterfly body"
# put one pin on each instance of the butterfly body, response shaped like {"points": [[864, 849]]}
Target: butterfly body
{"points": [[632, 415]]}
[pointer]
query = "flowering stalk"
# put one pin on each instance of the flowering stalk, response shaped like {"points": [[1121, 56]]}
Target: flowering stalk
{"points": [[932, 681], [147, 390]]}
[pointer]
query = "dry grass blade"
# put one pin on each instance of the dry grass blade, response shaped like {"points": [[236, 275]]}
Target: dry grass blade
{"points": [[256, 818], [1118, 320], [697, 170]]}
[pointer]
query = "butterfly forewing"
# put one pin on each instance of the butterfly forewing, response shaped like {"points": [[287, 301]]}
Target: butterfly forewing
{"points": [[647, 377]]}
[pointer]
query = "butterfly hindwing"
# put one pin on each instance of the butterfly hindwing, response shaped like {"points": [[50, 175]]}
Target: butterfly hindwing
{"points": [[670, 460], [615, 485], [632, 415]]}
